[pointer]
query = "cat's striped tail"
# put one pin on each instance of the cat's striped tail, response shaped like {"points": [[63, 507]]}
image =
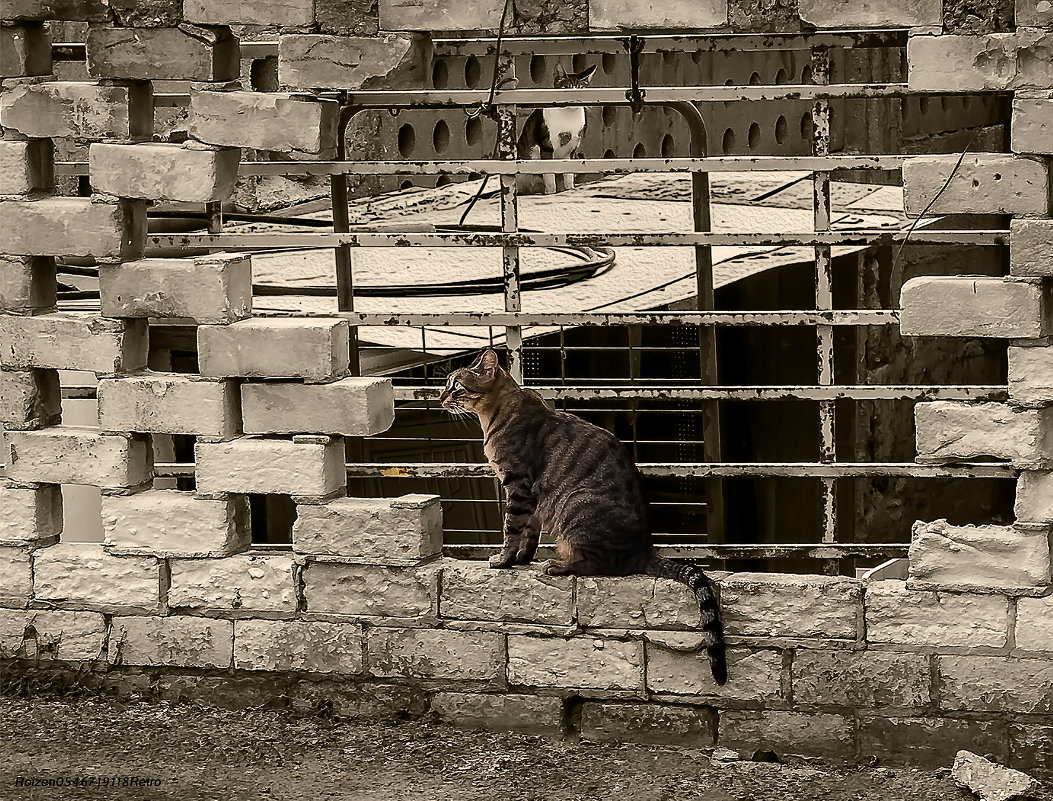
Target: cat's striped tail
{"points": [[712, 624]]}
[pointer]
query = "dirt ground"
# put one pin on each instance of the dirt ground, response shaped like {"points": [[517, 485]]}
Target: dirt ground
{"points": [[196, 752]]}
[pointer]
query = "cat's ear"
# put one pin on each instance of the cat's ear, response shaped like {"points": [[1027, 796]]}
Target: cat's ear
{"points": [[559, 72], [585, 75], [486, 366]]}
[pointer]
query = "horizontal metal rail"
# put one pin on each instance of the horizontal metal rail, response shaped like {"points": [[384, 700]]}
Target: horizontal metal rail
{"points": [[819, 550], [501, 318]]}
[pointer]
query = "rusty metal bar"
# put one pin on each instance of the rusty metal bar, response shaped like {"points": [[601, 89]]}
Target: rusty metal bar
{"points": [[345, 284], [513, 298], [499, 319], [721, 551]]}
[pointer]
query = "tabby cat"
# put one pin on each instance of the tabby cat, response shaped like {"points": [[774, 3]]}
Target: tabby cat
{"points": [[575, 481], [555, 133]]}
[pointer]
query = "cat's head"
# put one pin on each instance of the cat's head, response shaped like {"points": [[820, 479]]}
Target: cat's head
{"points": [[572, 80], [467, 389]]}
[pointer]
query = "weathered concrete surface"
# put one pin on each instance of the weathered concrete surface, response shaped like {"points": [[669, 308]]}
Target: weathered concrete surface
{"points": [[243, 585], [69, 455], [347, 17], [281, 466], [927, 741], [753, 675], [281, 13], [1034, 624], [788, 733], [949, 430], [171, 642], [79, 110], [579, 662], [988, 780], [670, 14], [433, 654], [205, 289], [983, 184], [1020, 60], [44, 635], [848, 14], [1034, 496], [295, 645], [1031, 248], [343, 589], [183, 53], [27, 284], [354, 407], [784, 605], [26, 166], [1030, 376], [474, 591], [147, 13], [861, 679], [682, 726], [85, 576], [440, 15], [285, 123], [1034, 13], [25, 50], [16, 576], [1033, 123], [173, 523], [73, 226], [30, 399], [1024, 685], [29, 514], [315, 349], [979, 556], [526, 713], [169, 403], [190, 172], [900, 616], [73, 341], [78, 10], [387, 61], [635, 602]]}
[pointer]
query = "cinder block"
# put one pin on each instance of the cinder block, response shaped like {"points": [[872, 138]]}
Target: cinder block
{"points": [[73, 10], [26, 166], [531, 714], [354, 407], [440, 15], [184, 53], [305, 647], [16, 576], [900, 616], [282, 13], [607, 15], [1034, 624], [892, 14], [169, 403], [25, 50], [753, 675], [1031, 248], [30, 399], [584, 663], [281, 122], [788, 733], [30, 515], [190, 172], [1034, 497], [85, 576], [172, 523], [436, 654], [983, 184], [303, 466], [28, 284], [1033, 123], [635, 602], [1034, 13], [71, 455], [396, 531], [950, 430], [78, 110], [1024, 685], [784, 605], [653, 724], [474, 591], [928, 742], [205, 289], [73, 341], [195, 642], [45, 635], [380, 591], [315, 349], [1030, 376], [386, 61], [963, 63], [861, 678], [234, 586], [73, 226]]}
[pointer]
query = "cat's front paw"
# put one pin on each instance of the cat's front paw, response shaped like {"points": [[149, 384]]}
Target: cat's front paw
{"points": [[500, 560]]}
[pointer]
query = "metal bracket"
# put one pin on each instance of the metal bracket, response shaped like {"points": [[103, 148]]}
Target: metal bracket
{"points": [[635, 95]]}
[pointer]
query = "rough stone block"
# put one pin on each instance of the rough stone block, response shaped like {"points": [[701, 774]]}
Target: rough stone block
{"points": [[70, 455], [983, 184], [30, 399], [354, 407], [393, 531], [655, 724], [277, 466], [73, 341], [173, 523], [16, 576], [26, 166], [995, 684], [347, 17], [73, 226], [949, 430], [1034, 14], [25, 50], [897, 615], [205, 289], [784, 605], [78, 110], [1034, 497], [72, 10], [147, 13], [27, 284], [531, 714], [1030, 376], [436, 654], [342, 589], [892, 14], [285, 123], [281, 13], [966, 63], [964, 306], [244, 585], [307, 647], [753, 675], [788, 733], [171, 642], [474, 591], [169, 403], [585, 663], [184, 53], [440, 15], [359, 700], [190, 172], [1034, 624], [1031, 746], [1033, 123], [387, 61], [47, 635], [84, 575], [1031, 248], [979, 556], [927, 742], [30, 514], [314, 349], [861, 678], [637, 602], [605, 15]]}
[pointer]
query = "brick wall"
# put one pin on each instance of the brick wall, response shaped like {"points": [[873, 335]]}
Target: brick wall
{"points": [[363, 614]]}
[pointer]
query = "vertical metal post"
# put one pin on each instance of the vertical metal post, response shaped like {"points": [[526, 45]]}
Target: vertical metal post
{"points": [[214, 212], [506, 149], [824, 298], [345, 294]]}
